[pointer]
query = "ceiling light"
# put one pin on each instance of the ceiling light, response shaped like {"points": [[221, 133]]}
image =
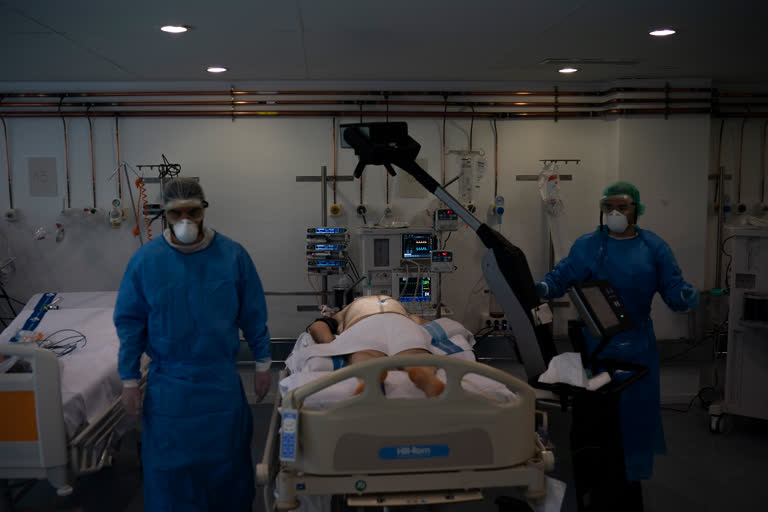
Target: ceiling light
{"points": [[174, 29], [216, 69], [662, 32], [568, 70]]}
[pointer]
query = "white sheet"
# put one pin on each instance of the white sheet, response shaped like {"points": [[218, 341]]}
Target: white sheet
{"points": [[307, 364], [89, 379]]}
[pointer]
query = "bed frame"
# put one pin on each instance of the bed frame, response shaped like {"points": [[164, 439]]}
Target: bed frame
{"points": [[33, 440], [369, 446]]}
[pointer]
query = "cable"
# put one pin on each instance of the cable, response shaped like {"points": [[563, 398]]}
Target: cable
{"points": [[8, 299], [354, 267], [730, 260], [142, 204], [705, 404], [63, 346], [471, 126], [445, 244]]}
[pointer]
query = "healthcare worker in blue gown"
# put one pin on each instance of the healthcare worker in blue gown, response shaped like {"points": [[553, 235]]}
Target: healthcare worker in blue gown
{"points": [[638, 263], [182, 300]]}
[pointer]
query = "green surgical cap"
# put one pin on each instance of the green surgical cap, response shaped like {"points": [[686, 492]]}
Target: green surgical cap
{"points": [[622, 188]]}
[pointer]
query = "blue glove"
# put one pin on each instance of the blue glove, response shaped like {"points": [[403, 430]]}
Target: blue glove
{"points": [[542, 289], [691, 297]]}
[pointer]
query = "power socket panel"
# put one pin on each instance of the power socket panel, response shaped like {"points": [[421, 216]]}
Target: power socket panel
{"points": [[499, 323]]}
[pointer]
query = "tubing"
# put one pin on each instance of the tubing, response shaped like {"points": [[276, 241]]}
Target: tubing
{"points": [[8, 163]]}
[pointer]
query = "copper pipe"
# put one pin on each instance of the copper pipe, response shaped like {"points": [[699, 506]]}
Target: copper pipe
{"points": [[606, 92], [743, 95], [8, 163], [374, 113], [66, 162], [741, 153], [93, 163], [119, 178], [333, 126], [478, 104]]}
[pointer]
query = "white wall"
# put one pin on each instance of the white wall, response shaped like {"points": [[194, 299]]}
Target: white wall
{"points": [[669, 162], [248, 169]]}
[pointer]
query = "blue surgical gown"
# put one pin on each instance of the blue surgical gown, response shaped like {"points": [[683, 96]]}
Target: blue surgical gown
{"points": [[637, 268], [184, 311]]}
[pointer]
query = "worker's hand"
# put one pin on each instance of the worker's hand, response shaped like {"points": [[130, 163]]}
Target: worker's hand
{"points": [[131, 401], [261, 383], [542, 289], [691, 297], [327, 311]]}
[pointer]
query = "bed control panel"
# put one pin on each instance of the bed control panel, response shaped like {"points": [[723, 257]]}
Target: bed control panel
{"points": [[288, 431]]}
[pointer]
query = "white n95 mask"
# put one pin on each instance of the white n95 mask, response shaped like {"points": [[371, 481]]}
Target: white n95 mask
{"points": [[186, 231], [616, 222]]}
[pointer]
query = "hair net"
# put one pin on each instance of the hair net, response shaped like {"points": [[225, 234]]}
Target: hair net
{"points": [[622, 188], [181, 192]]}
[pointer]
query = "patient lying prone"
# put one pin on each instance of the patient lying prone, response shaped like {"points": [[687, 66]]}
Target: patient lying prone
{"points": [[384, 329]]}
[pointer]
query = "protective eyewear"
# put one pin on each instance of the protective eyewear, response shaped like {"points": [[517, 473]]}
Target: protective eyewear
{"points": [[622, 204], [176, 214]]}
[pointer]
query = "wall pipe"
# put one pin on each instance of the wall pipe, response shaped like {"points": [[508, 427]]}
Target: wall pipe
{"points": [[383, 93], [479, 104], [117, 143], [762, 181], [741, 159], [93, 163], [333, 122], [8, 163], [719, 198], [374, 113], [66, 162], [495, 160]]}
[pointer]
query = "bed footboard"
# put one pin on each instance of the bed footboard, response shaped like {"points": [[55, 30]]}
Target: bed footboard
{"points": [[33, 440], [370, 444]]}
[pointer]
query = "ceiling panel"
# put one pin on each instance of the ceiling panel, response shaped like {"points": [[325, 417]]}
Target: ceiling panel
{"points": [[51, 57], [12, 22], [453, 40]]}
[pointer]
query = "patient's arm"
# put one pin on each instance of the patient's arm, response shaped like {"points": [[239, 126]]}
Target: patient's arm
{"points": [[321, 332]]}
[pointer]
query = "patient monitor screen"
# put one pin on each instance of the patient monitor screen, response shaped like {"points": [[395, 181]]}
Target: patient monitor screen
{"points": [[418, 245], [415, 289], [600, 307]]}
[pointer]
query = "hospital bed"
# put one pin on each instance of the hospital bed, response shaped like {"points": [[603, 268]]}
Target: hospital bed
{"points": [[63, 415], [379, 450]]}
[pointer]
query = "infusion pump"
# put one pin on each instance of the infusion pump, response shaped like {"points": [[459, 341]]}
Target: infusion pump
{"points": [[398, 263]]}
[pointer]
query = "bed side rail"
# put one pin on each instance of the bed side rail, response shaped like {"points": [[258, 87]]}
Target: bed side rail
{"points": [[370, 372]]}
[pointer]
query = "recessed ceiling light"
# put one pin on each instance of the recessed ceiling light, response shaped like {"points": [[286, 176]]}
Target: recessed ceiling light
{"points": [[662, 32], [174, 29], [568, 70], [216, 69]]}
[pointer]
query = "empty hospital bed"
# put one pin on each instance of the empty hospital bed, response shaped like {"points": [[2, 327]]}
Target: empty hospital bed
{"points": [[61, 415], [390, 445]]}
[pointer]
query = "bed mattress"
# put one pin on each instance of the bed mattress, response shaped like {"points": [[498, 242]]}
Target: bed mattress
{"points": [[309, 361], [89, 379]]}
